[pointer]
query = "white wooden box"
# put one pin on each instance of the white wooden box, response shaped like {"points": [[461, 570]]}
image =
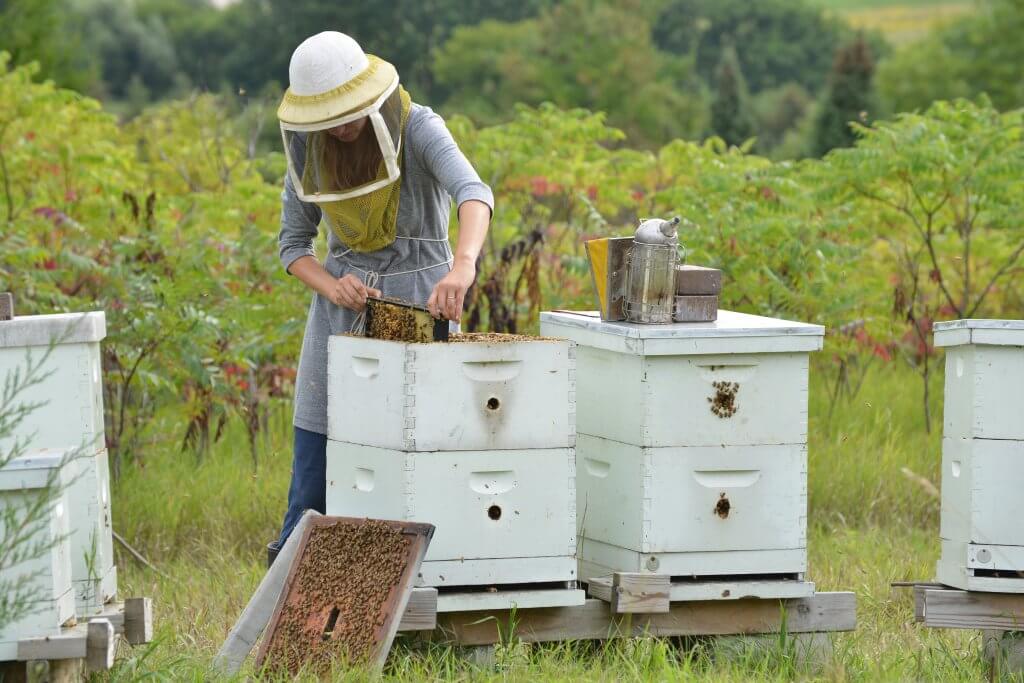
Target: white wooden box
{"points": [[698, 510], [92, 543], [502, 516], [70, 395], [691, 446], [455, 396], [984, 378], [740, 380], [46, 575], [982, 455], [982, 512]]}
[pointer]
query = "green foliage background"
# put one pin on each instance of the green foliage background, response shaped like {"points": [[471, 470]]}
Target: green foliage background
{"points": [[161, 205], [168, 223]]}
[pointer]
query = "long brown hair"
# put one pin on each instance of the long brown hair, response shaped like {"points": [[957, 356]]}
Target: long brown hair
{"points": [[352, 164]]}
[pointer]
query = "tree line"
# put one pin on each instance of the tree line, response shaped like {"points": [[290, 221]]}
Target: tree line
{"points": [[782, 71]]}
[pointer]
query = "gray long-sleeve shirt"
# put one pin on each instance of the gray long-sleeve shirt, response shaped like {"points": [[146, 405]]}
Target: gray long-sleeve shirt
{"points": [[434, 172]]}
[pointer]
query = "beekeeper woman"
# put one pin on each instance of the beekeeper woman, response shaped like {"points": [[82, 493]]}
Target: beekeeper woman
{"points": [[380, 173]]}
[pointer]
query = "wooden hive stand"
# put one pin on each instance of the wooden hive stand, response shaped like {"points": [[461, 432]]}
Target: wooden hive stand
{"points": [[633, 605], [999, 617], [84, 647]]}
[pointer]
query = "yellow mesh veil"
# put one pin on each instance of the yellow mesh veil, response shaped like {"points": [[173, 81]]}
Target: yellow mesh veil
{"points": [[367, 222]]}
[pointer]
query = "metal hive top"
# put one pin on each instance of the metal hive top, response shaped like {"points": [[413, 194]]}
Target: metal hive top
{"points": [[60, 328], [732, 333], [979, 331]]}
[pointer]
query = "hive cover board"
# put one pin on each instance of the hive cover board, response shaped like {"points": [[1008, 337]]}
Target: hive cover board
{"points": [[346, 591]]}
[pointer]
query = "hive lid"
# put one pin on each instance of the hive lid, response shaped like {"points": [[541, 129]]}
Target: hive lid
{"points": [[978, 331], [60, 328], [732, 333], [31, 471]]}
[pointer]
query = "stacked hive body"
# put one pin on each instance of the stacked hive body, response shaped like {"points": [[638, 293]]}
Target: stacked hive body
{"points": [[40, 582], [983, 455], [692, 445], [475, 437], [65, 424]]}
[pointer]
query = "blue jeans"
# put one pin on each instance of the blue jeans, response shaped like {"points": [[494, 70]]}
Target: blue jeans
{"points": [[308, 490]]}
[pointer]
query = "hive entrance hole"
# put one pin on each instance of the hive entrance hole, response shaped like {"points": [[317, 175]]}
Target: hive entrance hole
{"points": [[494, 512], [332, 621], [493, 403]]}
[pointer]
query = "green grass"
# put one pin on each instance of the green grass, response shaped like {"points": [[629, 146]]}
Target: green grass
{"points": [[205, 526]]}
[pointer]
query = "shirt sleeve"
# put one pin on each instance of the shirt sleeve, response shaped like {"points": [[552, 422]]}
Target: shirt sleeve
{"points": [[299, 222], [437, 152]]}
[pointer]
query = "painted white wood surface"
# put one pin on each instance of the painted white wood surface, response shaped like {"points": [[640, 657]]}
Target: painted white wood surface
{"points": [[701, 400], [510, 599], [983, 492], [92, 545], [982, 455], [983, 392], [69, 397], [485, 505], [962, 565], [49, 573], [59, 328], [731, 333], [498, 571], [601, 559], [458, 396], [720, 589], [979, 331], [656, 500]]}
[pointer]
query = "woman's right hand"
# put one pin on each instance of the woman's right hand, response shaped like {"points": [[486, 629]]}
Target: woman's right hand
{"points": [[350, 292]]}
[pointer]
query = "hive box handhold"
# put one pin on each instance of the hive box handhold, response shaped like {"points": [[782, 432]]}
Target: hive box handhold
{"points": [[698, 280]]}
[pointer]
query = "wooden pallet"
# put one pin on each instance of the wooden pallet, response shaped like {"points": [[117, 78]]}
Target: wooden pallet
{"points": [[824, 612], [645, 607], [630, 592], [999, 617], [85, 647]]}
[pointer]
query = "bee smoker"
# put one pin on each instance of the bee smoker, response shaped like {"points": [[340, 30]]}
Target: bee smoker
{"points": [[651, 272]]}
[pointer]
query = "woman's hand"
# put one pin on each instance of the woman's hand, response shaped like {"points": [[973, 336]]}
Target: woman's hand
{"points": [[350, 292], [449, 295]]}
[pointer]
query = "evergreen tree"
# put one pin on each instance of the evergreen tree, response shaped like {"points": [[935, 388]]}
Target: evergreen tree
{"points": [[731, 117], [848, 97]]}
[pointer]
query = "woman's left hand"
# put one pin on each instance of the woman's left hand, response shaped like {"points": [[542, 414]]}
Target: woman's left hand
{"points": [[449, 295]]}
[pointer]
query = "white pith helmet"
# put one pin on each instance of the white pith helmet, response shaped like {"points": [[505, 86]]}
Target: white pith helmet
{"points": [[323, 62], [329, 77], [332, 82]]}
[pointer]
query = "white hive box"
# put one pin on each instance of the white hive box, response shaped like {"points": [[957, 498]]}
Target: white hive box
{"points": [[984, 378], [46, 573], [70, 397], [502, 516], [691, 452], [454, 396], [475, 437], [983, 455], [69, 415]]}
